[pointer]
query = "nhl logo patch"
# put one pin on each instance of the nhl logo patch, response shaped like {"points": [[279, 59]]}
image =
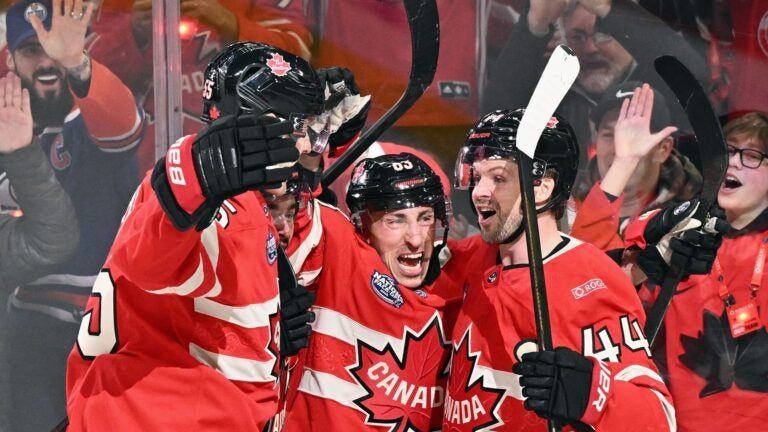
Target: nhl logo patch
{"points": [[36, 9], [386, 288], [278, 65], [271, 248]]}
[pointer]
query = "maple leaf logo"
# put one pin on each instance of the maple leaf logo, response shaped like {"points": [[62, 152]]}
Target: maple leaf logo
{"points": [[405, 393], [214, 113], [722, 360], [470, 404], [278, 65]]}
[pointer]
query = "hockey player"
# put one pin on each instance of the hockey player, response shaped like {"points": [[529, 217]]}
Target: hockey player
{"points": [[600, 374], [185, 313], [379, 348]]}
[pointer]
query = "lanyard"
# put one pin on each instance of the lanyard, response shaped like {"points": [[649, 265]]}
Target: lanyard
{"points": [[757, 275]]}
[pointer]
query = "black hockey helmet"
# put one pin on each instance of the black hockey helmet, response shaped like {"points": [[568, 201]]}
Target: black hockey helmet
{"points": [[251, 77], [494, 136], [392, 182]]}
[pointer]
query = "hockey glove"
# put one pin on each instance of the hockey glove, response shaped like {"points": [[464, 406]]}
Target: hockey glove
{"points": [[228, 157], [348, 110], [558, 385], [295, 316], [672, 239]]}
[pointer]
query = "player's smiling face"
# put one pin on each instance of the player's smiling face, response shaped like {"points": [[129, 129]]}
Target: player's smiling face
{"points": [[404, 239], [497, 199]]}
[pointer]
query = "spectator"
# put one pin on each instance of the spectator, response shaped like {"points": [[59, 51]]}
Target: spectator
{"points": [[614, 40], [88, 126], [715, 346], [371, 37], [190, 314], [635, 167], [210, 25], [600, 370], [47, 233]]}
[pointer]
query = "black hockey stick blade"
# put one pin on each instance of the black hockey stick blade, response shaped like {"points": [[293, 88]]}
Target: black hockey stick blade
{"points": [[424, 24], [714, 163]]}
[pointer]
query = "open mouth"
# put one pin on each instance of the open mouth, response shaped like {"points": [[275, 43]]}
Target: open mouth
{"points": [[411, 260], [731, 182], [47, 79], [484, 214]]}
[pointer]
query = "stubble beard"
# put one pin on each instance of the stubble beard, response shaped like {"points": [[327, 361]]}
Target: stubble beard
{"points": [[498, 233]]}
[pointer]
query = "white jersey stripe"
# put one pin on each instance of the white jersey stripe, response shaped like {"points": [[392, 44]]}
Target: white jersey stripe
{"points": [[251, 316], [331, 323], [633, 371], [210, 240], [313, 239], [329, 386], [234, 368]]}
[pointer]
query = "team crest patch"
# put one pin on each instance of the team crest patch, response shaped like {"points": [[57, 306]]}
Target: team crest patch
{"points": [[386, 288], [278, 65], [36, 9], [421, 293], [271, 247], [492, 277]]}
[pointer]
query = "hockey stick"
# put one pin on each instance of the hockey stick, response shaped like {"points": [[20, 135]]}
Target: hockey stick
{"points": [[558, 76], [424, 24], [714, 161]]}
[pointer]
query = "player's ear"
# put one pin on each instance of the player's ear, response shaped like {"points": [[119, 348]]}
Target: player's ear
{"points": [[543, 189]]}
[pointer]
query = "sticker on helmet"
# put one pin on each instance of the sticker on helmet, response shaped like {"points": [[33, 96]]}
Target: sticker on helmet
{"points": [[278, 65]]}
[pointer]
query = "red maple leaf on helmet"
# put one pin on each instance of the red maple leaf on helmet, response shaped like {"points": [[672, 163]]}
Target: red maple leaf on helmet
{"points": [[405, 393], [278, 65], [470, 404], [214, 112]]}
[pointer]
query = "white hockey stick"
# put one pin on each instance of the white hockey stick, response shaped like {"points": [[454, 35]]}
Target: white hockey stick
{"points": [[558, 76]]}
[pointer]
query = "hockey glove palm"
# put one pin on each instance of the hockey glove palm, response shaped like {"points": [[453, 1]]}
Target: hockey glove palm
{"points": [[228, 157], [557, 384], [348, 110]]}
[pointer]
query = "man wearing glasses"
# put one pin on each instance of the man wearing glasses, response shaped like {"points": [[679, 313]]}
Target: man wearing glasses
{"points": [[615, 41]]}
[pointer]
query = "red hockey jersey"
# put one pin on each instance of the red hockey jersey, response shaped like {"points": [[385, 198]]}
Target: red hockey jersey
{"points": [[180, 332], [378, 355], [718, 383], [593, 309]]}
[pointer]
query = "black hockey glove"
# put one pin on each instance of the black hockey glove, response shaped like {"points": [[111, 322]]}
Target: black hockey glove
{"points": [[295, 316], [674, 239], [557, 385], [348, 110], [229, 156]]}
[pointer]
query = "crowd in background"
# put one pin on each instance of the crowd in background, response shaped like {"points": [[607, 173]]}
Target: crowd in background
{"points": [[97, 133]]}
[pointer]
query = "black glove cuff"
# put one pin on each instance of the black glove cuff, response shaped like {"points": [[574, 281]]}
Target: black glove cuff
{"points": [[181, 220]]}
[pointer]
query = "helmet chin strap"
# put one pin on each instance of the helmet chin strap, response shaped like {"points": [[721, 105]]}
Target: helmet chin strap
{"points": [[516, 234], [433, 270]]}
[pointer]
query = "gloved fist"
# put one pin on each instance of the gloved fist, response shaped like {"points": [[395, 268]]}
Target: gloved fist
{"points": [[348, 110], [235, 154], [672, 238], [557, 384], [295, 316], [229, 156]]}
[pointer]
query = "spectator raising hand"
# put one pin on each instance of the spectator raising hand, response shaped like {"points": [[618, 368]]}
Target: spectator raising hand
{"points": [[15, 115], [633, 139], [65, 41]]}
